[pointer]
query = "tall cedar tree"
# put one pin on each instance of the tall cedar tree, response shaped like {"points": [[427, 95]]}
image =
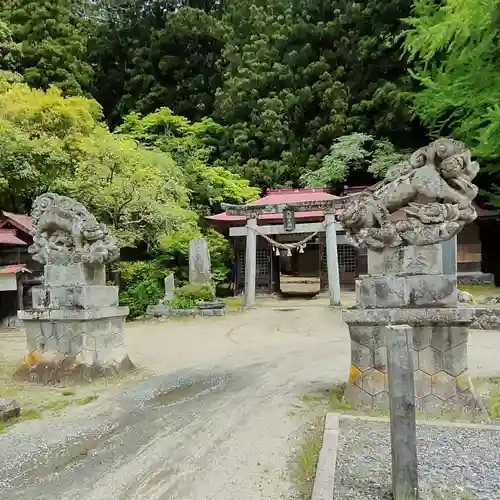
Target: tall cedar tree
{"points": [[297, 75], [53, 42], [148, 54]]}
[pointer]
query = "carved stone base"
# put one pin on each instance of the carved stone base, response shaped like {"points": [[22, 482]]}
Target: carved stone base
{"points": [[83, 345], [75, 329], [55, 368], [440, 369], [406, 287]]}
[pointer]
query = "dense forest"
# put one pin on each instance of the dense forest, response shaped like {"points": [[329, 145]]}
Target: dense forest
{"points": [[153, 112]]}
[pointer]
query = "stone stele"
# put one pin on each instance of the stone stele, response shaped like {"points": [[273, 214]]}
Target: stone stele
{"points": [[75, 326], [169, 282], [402, 221], [199, 262]]}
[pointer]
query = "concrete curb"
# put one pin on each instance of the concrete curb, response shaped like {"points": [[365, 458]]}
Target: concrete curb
{"points": [[324, 481], [430, 423]]}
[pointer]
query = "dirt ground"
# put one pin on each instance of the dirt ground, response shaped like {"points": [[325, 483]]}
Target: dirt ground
{"points": [[233, 443]]}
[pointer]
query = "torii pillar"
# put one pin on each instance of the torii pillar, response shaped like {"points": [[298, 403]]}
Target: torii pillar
{"points": [[332, 260], [250, 262]]}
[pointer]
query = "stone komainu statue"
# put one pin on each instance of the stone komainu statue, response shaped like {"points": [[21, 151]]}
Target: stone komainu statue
{"points": [[423, 201], [65, 232]]}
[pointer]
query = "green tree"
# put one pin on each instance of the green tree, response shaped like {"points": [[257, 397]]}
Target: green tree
{"points": [[157, 53], [38, 132], [350, 155], [53, 40], [191, 147], [140, 286], [454, 45], [139, 193], [298, 75], [54, 143], [10, 51]]}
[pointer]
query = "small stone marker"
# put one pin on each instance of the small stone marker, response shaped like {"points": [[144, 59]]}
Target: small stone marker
{"points": [[169, 287], [402, 409], [199, 262], [9, 408]]}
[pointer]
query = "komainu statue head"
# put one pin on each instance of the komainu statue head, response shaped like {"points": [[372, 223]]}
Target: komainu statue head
{"points": [[65, 232], [424, 201]]}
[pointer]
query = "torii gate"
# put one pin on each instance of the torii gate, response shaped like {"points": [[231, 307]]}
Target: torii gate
{"points": [[251, 212]]}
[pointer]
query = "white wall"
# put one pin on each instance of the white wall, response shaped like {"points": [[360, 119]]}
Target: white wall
{"points": [[8, 282]]}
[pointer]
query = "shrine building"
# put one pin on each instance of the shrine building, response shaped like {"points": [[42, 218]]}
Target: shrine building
{"points": [[278, 268]]}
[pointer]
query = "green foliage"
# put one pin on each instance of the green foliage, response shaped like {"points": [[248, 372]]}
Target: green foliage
{"points": [[220, 255], [495, 405], [55, 143], [188, 296], [455, 45], [134, 190], [157, 53], [214, 98], [10, 51], [299, 75], [139, 286], [173, 251], [53, 41], [190, 146], [350, 153], [38, 133]]}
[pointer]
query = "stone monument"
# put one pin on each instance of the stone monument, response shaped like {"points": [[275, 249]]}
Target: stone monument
{"points": [[75, 325], [199, 262], [402, 221], [169, 283]]}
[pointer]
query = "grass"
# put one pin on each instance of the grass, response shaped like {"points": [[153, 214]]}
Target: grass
{"points": [[233, 303], [39, 401], [445, 494], [477, 290], [306, 460], [489, 390], [24, 417], [332, 399], [86, 400]]}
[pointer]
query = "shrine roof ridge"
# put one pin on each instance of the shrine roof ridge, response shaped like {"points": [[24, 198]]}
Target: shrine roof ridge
{"points": [[249, 210]]}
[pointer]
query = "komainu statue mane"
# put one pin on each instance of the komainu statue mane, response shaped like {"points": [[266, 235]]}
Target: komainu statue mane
{"points": [[420, 202], [65, 232]]}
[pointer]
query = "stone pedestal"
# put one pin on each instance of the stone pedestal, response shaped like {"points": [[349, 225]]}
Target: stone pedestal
{"points": [[75, 327], [405, 286]]}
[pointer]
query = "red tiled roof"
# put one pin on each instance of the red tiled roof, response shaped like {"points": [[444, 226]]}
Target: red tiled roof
{"points": [[22, 222], [14, 269], [290, 195], [277, 197], [8, 237]]}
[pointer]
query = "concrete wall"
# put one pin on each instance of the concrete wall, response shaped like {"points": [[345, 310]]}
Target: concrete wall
{"points": [[8, 282]]}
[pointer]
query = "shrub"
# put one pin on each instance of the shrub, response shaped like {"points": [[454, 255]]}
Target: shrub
{"points": [[139, 286], [189, 296]]}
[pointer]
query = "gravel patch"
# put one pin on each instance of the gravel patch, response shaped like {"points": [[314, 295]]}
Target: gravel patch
{"points": [[455, 463]]}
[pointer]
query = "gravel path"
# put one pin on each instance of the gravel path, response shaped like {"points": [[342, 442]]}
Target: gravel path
{"points": [[204, 440], [455, 463], [233, 443]]}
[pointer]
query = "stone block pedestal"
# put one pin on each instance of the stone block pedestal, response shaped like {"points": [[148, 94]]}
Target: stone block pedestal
{"points": [[426, 302], [75, 327], [439, 361]]}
